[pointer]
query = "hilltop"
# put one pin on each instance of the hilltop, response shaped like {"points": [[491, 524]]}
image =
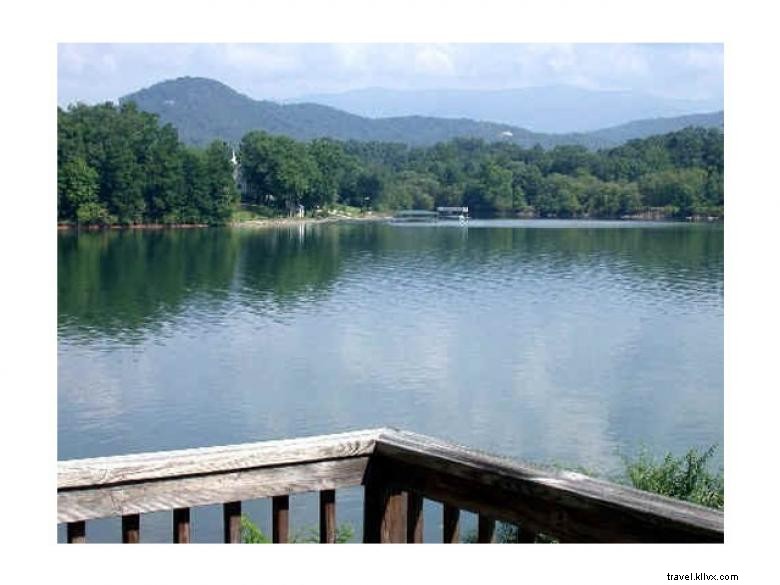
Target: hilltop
{"points": [[204, 109]]}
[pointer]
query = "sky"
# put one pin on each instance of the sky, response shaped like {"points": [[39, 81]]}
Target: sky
{"points": [[93, 73]]}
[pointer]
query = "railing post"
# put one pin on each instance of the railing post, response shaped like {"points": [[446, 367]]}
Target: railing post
{"points": [[525, 535], [181, 526], [451, 517], [384, 508], [414, 517], [280, 519], [77, 532], [328, 516], [231, 512], [131, 528], [486, 531]]}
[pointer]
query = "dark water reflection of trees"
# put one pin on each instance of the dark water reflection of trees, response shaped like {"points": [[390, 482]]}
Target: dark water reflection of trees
{"points": [[133, 282]]}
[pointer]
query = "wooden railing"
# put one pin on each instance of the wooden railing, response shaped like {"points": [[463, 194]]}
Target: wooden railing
{"points": [[397, 469]]}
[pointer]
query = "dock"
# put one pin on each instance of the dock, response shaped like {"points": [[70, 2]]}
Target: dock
{"points": [[460, 214]]}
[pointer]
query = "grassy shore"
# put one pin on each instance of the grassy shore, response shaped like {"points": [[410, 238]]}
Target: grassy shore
{"points": [[292, 221], [250, 216]]}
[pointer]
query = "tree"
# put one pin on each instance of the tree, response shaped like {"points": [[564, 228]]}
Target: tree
{"points": [[331, 163], [560, 196], [78, 194], [223, 194], [410, 190], [681, 188], [165, 187], [277, 169], [117, 165]]}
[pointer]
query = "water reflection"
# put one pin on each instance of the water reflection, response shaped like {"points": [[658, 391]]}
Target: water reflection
{"points": [[125, 284], [560, 345]]}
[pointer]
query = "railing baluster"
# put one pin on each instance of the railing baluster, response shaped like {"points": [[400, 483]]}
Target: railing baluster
{"points": [[486, 531], [414, 517], [451, 524], [77, 532], [231, 512], [181, 526], [384, 508], [525, 535], [394, 521], [280, 519], [328, 516], [398, 470], [131, 528]]}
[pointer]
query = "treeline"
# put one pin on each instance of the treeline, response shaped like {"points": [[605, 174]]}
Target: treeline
{"points": [[117, 165], [680, 174]]}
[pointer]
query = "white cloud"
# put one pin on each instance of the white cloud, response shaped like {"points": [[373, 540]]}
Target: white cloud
{"points": [[264, 59], [96, 72], [71, 59], [109, 64], [435, 61]]}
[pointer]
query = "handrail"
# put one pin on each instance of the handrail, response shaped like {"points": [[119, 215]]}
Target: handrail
{"points": [[570, 506], [146, 482], [397, 468], [104, 471]]}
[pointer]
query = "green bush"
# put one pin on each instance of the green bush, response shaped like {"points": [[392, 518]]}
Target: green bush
{"points": [[344, 533], [685, 478], [251, 534]]}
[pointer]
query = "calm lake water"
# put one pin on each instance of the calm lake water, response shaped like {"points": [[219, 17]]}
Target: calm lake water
{"points": [[551, 341]]}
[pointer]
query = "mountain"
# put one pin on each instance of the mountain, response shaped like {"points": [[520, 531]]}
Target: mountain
{"points": [[552, 109], [645, 128], [203, 110]]}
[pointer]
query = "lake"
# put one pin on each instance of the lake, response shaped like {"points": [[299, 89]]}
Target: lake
{"points": [[560, 342]]}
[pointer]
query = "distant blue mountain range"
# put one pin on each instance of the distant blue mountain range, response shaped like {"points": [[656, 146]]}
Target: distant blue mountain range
{"points": [[204, 109], [553, 109]]}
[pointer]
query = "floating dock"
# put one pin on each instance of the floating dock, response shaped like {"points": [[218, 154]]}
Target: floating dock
{"points": [[442, 213]]}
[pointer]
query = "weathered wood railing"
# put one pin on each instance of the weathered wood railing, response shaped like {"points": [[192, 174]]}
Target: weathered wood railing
{"points": [[397, 469]]}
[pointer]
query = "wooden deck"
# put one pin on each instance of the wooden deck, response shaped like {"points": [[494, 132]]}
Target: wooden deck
{"points": [[397, 470]]}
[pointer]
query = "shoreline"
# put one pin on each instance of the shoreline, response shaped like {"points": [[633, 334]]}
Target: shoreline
{"points": [[250, 223], [293, 221], [133, 226], [297, 221]]}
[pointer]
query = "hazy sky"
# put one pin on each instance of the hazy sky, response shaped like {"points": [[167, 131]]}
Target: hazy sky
{"points": [[99, 72]]}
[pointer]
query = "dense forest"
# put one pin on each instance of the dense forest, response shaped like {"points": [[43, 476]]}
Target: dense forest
{"points": [[116, 164], [680, 174]]}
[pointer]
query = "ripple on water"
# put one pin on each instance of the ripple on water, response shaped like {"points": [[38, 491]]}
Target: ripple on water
{"points": [[538, 339]]}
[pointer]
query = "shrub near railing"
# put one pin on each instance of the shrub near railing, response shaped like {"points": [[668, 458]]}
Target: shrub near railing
{"points": [[251, 534], [685, 478]]}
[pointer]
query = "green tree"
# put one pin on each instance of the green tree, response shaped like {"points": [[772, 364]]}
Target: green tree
{"points": [[277, 170], [77, 189], [223, 195], [117, 165], [410, 190], [560, 196], [681, 188], [331, 163]]}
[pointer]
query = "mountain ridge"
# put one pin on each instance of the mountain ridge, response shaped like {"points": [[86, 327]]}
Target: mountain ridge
{"points": [[205, 109], [556, 109]]}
